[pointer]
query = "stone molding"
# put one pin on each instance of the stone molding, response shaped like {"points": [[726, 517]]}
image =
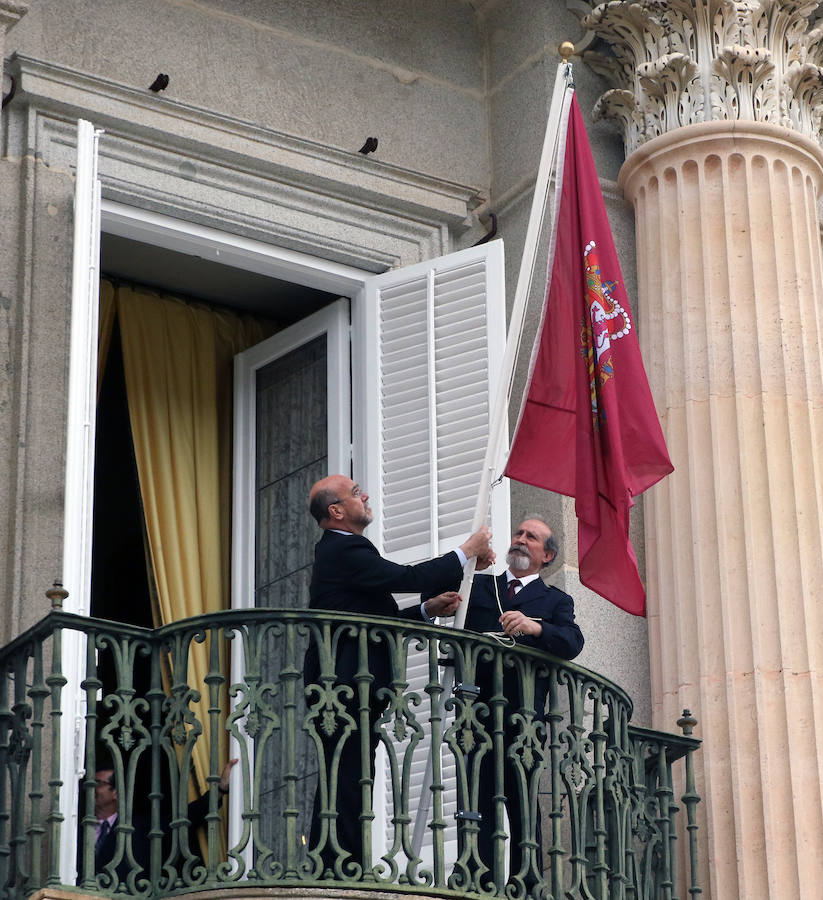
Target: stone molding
{"points": [[698, 141], [248, 892], [679, 62], [191, 163], [11, 11]]}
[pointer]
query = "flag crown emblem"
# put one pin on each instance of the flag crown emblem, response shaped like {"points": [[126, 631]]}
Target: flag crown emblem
{"points": [[604, 321], [609, 321]]}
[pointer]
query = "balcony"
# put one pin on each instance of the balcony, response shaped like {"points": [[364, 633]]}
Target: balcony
{"points": [[598, 814]]}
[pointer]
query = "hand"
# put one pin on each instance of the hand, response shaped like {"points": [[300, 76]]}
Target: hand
{"points": [[486, 560], [516, 624], [478, 544], [443, 604], [223, 787]]}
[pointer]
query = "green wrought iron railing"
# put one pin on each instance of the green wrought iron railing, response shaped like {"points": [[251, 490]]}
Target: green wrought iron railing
{"points": [[543, 745]]}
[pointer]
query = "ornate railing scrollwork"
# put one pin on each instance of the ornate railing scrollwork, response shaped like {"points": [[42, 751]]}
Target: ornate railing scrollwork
{"points": [[540, 786]]}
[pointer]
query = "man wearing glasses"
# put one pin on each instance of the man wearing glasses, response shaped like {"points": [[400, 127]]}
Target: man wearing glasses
{"points": [[349, 575]]}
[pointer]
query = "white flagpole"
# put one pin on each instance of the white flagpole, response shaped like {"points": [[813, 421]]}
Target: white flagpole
{"points": [[561, 98]]}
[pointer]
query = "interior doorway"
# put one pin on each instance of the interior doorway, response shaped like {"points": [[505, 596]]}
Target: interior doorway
{"points": [[121, 582]]}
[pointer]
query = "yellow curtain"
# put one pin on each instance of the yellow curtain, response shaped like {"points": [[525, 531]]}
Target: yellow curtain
{"points": [[178, 360]]}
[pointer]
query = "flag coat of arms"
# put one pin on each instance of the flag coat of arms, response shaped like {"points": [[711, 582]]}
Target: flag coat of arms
{"points": [[588, 427]]}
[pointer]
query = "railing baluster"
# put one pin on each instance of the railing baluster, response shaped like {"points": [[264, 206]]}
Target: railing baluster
{"points": [[434, 688], [5, 779], [664, 795], [91, 684], [554, 718], [497, 707], [215, 680], [598, 739], [20, 747], [690, 800], [155, 697], [56, 681], [37, 693], [363, 680], [290, 675]]}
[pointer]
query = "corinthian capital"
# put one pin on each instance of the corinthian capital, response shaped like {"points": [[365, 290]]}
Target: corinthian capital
{"points": [[677, 62]]}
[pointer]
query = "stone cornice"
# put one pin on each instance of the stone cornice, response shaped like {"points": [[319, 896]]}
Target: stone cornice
{"points": [[11, 11], [203, 135], [679, 62]]}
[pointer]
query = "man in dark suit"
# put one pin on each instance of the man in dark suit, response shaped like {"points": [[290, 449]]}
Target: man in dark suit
{"points": [[350, 575], [521, 606], [106, 811]]}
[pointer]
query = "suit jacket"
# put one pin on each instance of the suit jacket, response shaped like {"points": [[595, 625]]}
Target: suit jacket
{"points": [[140, 844], [560, 634], [349, 575]]}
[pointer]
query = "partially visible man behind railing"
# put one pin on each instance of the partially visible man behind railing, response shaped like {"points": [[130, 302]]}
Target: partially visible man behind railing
{"points": [[116, 860]]}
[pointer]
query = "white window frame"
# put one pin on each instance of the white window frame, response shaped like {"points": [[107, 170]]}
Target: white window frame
{"points": [[93, 216], [332, 321], [79, 481], [208, 243]]}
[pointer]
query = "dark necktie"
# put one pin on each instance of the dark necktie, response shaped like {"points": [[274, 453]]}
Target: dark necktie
{"points": [[513, 585], [105, 828]]}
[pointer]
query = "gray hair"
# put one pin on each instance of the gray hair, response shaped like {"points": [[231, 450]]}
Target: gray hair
{"points": [[550, 545], [320, 503]]}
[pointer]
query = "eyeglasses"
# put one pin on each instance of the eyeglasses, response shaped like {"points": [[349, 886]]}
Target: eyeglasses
{"points": [[356, 491]]}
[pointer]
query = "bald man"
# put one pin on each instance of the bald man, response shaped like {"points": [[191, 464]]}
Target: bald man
{"points": [[349, 575]]}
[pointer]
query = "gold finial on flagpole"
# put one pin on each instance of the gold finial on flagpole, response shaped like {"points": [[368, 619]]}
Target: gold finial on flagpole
{"points": [[566, 50]]}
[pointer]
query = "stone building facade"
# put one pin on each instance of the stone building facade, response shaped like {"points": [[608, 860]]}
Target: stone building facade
{"points": [[712, 180]]}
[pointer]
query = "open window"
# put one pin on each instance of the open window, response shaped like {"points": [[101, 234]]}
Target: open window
{"points": [[403, 368]]}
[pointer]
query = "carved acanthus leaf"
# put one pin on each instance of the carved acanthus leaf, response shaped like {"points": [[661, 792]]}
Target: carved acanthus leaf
{"points": [[809, 49], [670, 81], [611, 68], [743, 75], [620, 107], [805, 103], [633, 32]]}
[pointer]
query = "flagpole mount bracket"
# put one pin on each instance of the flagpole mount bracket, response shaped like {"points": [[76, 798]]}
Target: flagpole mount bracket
{"points": [[463, 689]]}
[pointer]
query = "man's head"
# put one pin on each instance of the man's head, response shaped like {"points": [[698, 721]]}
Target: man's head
{"points": [[533, 547], [337, 502], [105, 793]]}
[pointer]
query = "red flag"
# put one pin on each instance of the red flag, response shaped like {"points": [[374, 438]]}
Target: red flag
{"points": [[588, 426]]}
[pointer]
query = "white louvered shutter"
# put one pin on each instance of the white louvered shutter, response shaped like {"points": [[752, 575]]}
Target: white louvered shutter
{"points": [[440, 340], [441, 335]]}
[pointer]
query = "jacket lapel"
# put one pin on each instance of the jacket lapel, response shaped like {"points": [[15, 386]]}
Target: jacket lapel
{"points": [[527, 592]]}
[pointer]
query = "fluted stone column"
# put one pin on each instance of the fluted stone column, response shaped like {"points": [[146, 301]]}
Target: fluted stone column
{"points": [[721, 107]]}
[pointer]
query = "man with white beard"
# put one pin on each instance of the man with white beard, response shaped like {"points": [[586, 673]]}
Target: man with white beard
{"points": [[518, 608], [518, 602]]}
